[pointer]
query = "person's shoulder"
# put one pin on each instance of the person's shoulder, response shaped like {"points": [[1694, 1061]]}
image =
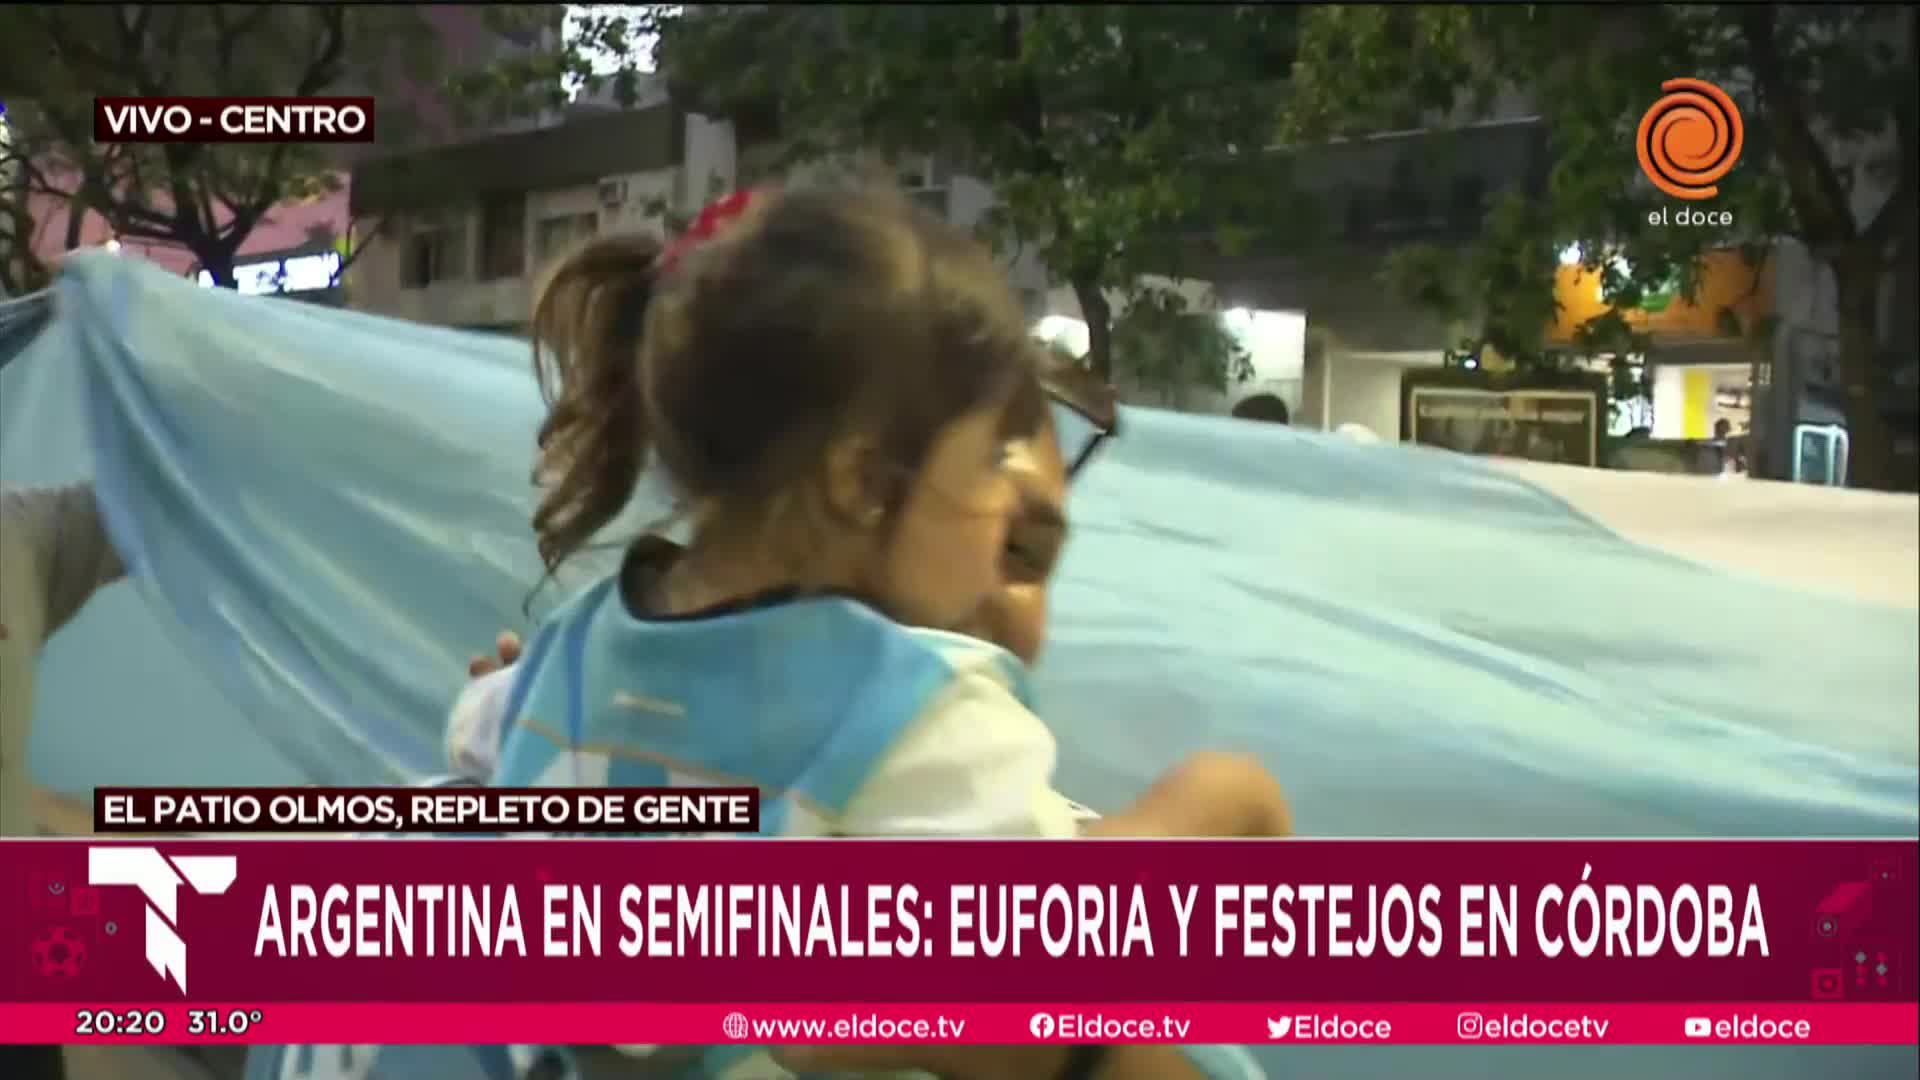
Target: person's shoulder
{"points": [[864, 690], [967, 757], [908, 670], [851, 641], [968, 658], [935, 656]]}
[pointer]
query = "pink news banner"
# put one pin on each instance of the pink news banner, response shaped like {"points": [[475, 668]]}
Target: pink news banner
{"points": [[632, 941]]}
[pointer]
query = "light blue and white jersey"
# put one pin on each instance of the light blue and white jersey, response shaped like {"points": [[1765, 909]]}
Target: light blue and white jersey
{"points": [[847, 722]]}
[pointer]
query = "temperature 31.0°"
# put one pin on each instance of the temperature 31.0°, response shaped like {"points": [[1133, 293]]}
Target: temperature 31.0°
{"points": [[216, 1022]]}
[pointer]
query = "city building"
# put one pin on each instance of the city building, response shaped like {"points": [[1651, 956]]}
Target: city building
{"points": [[1379, 193], [1329, 342], [466, 228]]}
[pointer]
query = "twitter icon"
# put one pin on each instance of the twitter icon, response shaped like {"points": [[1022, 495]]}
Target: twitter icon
{"points": [[1278, 1029]]}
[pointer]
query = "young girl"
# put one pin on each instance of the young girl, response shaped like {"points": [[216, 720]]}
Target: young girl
{"points": [[831, 384]]}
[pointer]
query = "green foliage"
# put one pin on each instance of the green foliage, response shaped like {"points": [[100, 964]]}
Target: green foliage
{"points": [[54, 60], [1167, 351], [1807, 79], [1107, 133], [524, 82]]}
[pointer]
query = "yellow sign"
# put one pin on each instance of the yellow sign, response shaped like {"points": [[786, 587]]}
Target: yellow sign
{"points": [[1726, 282]]}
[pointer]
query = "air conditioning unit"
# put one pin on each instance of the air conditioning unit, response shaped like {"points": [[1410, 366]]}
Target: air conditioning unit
{"points": [[613, 194], [917, 174], [933, 198], [923, 184]]}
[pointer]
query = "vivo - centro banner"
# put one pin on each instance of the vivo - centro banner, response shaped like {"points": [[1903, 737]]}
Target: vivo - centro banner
{"points": [[301, 273]]}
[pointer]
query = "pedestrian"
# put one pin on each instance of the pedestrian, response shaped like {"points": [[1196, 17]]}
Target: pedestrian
{"points": [[54, 555]]}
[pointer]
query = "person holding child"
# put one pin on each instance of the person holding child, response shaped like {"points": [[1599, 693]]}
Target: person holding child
{"points": [[839, 387]]}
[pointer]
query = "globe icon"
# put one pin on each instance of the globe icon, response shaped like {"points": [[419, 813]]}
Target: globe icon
{"points": [[734, 1026]]}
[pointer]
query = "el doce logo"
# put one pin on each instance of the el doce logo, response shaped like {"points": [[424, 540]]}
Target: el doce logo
{"points": [[1690, 139]]}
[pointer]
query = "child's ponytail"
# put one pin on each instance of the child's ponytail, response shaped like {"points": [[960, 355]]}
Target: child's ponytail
{"points": [[587, 328]]}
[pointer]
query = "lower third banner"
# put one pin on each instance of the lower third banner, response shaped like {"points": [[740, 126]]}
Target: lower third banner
{"points": [[713, 941]]}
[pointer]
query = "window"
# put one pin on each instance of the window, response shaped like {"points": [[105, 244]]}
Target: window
{"points": [[436, 250], [934, 199], [559, 235], [503, 236], [917, 173], [1467, 201]]}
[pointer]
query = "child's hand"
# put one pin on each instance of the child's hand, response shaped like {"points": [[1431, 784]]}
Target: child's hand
{"points": [[1208, 794], [507, 650]]}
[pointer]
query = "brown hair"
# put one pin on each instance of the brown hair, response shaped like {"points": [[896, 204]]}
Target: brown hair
{"points": [[734, 369]]}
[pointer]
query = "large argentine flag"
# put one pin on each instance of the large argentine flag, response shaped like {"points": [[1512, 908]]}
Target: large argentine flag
{"points": [[326, 513]]}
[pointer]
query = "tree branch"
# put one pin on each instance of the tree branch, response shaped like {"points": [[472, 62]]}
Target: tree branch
{"points": [[167, 233], [130, 212], [227, 36], [1820, 200], [322, 69], [1894, 220], [133, 22], [356, 247], [134, 47], [74, 49], [205, 203], [1029, 114]]}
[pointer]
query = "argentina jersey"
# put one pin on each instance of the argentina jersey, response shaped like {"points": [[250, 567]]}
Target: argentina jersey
{"points": [[846, 722]]}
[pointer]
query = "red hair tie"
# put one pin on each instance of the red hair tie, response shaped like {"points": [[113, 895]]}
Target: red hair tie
{"points": [[711, 219]]}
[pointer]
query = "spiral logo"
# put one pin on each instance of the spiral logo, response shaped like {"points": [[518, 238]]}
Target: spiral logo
{"points": [[1690, 139]]}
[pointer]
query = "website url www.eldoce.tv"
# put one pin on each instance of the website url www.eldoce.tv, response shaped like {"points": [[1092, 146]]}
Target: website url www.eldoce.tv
{"points": [[867, 1028]]}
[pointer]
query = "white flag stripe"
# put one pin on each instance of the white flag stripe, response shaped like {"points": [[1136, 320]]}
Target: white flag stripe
{"points": [[1865, 545]]}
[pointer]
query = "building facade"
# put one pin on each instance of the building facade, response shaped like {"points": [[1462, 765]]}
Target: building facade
{"points": [[466, 229], [1328, 340]]}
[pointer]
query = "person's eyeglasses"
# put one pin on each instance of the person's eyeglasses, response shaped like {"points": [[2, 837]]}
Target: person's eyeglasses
{"points": [[1085, 414]]}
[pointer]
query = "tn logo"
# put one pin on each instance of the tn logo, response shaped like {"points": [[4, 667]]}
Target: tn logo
{"points": [[149, 871]]}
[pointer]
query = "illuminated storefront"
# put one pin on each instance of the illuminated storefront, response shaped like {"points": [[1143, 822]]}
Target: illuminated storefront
{"points": [[1274, 342], [1703, 359], [312, 276]]}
